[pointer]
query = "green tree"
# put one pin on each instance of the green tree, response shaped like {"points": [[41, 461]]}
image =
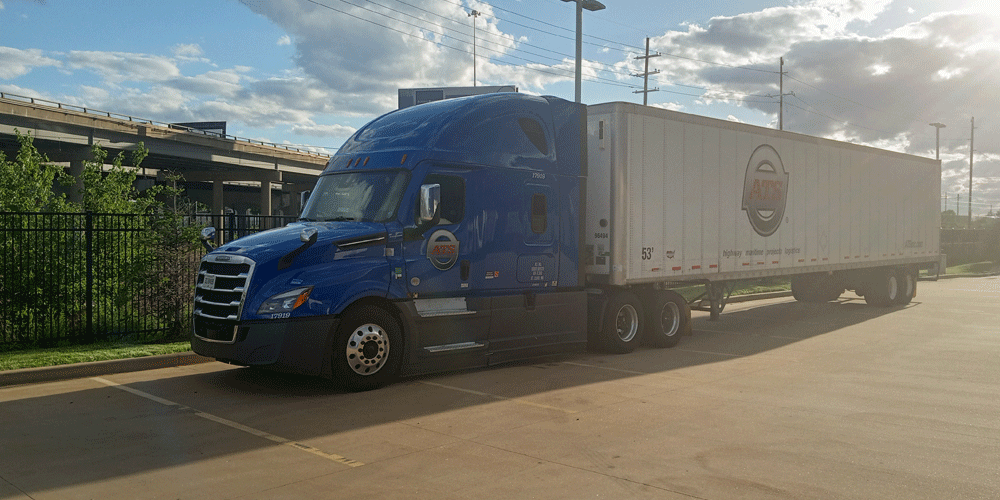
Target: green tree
{"points": [[28, 180], [144, 253]]}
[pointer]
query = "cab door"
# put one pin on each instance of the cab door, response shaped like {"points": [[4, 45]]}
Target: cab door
{"points": [[452, 322]]}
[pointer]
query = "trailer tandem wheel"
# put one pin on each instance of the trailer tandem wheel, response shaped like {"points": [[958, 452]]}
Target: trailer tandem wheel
{"points": [[668, 317]]}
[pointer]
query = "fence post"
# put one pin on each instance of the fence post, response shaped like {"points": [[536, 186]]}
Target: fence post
{"points": [[89, 236]]}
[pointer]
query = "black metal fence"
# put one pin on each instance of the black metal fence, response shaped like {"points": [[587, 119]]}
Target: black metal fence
{"points": [[84, 277]]}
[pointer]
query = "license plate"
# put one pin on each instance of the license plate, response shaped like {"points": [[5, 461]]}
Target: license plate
{"points": [[209, 282]]}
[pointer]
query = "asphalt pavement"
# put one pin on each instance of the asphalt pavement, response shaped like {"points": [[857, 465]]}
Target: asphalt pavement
{"points": [[776, 400]]}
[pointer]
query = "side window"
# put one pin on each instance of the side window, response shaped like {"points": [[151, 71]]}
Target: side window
{"points": [[535, 133], [452, 197], [539, 219]]}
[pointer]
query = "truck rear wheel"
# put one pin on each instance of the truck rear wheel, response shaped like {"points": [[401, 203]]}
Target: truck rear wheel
{"points": [[883, 290], [367, 348], [623, 323], [667, 318], [907, 281]]}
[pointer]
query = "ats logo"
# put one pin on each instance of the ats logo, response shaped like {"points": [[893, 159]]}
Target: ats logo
{"points": [[442, 249], [765, 190]]}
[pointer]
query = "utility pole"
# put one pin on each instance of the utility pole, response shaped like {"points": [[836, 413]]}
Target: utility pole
{"points": [[645, 75], [972, 138], [937, 135], [781, 94], [474, 14]]}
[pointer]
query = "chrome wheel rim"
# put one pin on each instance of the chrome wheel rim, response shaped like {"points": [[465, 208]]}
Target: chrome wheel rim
{"points": [[627, 323], [670, 319], [367, 349]]}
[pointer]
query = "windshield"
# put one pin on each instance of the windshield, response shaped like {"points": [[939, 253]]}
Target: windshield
{"points": [[356, 196]]}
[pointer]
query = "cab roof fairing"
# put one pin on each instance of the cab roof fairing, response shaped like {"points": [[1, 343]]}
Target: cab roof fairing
{"points": [[475, 130]]}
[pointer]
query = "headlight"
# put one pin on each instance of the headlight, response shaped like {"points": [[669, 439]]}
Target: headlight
{"points": [[285, 302]]}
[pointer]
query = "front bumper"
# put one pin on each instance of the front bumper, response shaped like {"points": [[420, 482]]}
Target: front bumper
{"points": [[300, 345]]}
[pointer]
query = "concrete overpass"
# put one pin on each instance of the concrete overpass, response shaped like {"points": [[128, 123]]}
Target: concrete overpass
{"points": [[65, 133]]}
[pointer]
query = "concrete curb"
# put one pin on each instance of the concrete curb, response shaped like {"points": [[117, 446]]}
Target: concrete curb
{"points": [[96, 368]]}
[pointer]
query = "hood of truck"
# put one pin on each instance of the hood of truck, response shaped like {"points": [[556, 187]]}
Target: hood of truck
{"points": [[346, 255]]}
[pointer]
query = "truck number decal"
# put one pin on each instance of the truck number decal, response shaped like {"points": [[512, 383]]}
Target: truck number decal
{"points": [[647, 253], [537, 175], [601, 235]]}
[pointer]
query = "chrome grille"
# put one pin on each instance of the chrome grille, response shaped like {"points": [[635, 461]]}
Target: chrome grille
{"points": [[219, 295]]}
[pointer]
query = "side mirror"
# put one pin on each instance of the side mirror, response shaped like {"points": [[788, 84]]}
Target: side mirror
{"points": [[207, 235], [430, 201], [303, 198]]}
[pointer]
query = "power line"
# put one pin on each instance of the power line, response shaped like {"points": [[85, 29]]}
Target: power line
{"points": [[605, 81]]}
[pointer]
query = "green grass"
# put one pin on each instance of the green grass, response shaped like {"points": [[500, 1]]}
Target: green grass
{"points": [[52, 356], [746, 287], [973, 268]]}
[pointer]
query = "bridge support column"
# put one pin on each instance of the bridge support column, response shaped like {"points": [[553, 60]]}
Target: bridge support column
{"points": [[265, 197], [218, 204], [76, 190]]}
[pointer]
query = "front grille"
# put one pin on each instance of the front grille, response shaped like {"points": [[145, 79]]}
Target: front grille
{"points": [[218, 298]]}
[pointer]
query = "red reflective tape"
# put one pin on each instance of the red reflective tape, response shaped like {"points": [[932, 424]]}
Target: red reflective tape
{"points": [[678, 268], [712, 266], [695, 267]]}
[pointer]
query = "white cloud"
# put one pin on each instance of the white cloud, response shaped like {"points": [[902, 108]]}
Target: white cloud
{"points": [[117, 67], [17, 62], [285, 40], [335, 131]]}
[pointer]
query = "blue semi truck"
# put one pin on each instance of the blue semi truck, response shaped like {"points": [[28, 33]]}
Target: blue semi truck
{"points": [[475, 231]]}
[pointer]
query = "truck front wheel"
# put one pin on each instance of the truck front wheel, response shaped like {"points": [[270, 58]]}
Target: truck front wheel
{"points": [[367, 348], [623, 323], [668, 317]]}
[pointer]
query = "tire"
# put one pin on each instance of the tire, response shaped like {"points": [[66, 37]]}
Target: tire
{"points": [[907, 280], [668, 317], [883, 290], [622, 329], [367, 349]]}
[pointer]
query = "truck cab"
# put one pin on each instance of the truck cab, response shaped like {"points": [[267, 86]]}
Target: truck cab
{"points": [[442, 236]]}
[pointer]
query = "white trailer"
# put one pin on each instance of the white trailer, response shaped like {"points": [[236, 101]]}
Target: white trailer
{"points": [[673, 197]]}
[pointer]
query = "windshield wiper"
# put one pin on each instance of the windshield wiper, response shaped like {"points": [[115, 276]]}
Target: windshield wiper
{"points": [[340, 219]]}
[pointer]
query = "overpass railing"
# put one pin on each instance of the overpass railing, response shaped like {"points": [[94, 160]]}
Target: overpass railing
{"points": [[34, 101]]}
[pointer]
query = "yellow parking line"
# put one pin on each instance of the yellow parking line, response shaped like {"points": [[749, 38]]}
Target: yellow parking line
{"points": [[234, 425]]}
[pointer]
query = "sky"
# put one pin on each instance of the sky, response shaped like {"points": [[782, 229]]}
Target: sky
{"points": [[310, 72]]}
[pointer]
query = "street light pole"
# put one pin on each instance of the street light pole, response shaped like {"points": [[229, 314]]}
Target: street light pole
{"points": [[590, 5], [474, 14], [937, 142]]}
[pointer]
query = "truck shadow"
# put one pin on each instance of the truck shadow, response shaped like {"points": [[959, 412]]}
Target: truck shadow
{"points": [[62, 428]]}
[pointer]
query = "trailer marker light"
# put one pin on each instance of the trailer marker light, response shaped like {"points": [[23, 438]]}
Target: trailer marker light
{"points": [[366, 160], [403, 160]]}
